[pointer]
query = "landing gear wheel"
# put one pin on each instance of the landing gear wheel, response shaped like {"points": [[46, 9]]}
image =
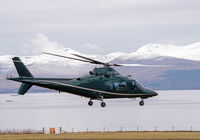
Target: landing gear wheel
{"points": [[90, 103], [141, 103], [103, 104]]}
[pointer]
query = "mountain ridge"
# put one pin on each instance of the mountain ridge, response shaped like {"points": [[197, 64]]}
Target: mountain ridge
{"points": [[173, 59], [188, 52]]}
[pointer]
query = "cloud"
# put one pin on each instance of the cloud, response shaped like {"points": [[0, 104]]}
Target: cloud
{"points": [[39, 44], [91, 48], [115, 25]]}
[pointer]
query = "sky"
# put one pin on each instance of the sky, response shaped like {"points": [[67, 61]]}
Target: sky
{"points": [[95, 26]]}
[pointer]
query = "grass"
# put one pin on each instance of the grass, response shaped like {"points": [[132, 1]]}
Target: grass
{"points": [[175, 135]]}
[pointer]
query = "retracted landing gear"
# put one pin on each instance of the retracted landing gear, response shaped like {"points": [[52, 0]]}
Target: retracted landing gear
{"points": [[90, 103], [141, 103]]}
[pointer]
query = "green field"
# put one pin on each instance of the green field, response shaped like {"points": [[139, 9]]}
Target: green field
{"points": [[105, 135]]}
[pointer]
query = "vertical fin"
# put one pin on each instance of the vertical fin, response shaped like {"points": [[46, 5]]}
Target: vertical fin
{"points": [[22, 72], [21, 68]]}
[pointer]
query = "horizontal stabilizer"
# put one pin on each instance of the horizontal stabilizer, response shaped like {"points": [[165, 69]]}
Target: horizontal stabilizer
{"points": [[24, 88]]}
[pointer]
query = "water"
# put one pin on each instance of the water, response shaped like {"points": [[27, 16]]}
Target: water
{"points": [[177, 109]]}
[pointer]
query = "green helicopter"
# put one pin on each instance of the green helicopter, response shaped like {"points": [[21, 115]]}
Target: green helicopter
{"points": [[101, 83]]}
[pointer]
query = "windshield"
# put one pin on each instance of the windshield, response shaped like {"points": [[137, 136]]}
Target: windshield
{"points": [[139, 85]]}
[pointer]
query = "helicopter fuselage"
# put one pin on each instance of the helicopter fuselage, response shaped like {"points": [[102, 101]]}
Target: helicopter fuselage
{"points": [[102, 83], [108, 85]]}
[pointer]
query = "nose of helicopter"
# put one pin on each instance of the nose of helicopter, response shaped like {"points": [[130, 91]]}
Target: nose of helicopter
{"points": [[155, 93], [150, 91]]}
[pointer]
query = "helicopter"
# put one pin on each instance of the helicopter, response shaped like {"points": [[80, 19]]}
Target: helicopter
{"points": [[101, 83]]}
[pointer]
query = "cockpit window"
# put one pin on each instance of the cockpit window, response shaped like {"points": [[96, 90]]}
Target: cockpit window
{"points": [[116, 86], [139, 85], [133, 85], [120, 86]]}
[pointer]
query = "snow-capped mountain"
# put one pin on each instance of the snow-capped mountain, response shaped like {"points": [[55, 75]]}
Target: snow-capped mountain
{"points": [[180, 59], [149, 51], [190, 52], [52, 66]]}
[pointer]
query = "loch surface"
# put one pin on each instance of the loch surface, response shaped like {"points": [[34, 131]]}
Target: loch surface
{"points": [[170, 110]]}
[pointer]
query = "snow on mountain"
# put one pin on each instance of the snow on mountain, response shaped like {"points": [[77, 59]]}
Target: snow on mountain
{"points": [[46, 59], [48, 63], [176, 57], [108, 57], [190, 52]]}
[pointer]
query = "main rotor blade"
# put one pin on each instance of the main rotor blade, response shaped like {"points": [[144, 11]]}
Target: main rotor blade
{"points": [[67, 57], [141, 65], [88, 60], [94, 61], [115, 65]]}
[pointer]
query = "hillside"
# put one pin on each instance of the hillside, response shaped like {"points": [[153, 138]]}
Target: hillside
{"points": [[179, 70]]}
